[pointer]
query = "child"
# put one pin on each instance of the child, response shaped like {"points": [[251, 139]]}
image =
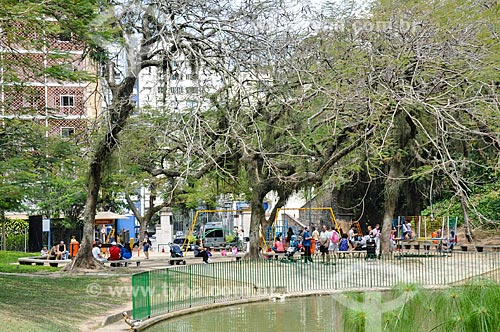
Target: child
{"points": [[44, 252], [344, 243], [392, 240]]}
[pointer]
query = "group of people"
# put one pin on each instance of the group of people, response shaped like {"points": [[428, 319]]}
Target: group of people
{"points": [[328, 242], [57, 251], [116, 252]]}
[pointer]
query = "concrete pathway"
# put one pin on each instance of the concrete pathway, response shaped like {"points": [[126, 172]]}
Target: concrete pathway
{"points": [[349, 273]]}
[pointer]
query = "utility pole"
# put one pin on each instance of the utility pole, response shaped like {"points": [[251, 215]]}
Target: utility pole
{"points": [[310, 207]]}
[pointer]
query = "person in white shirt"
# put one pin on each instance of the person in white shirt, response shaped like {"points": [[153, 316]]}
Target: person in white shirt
{"points": [[409, 232], [352, 235], [324, 242], [96, 252], [44, 252], [377, 232]]}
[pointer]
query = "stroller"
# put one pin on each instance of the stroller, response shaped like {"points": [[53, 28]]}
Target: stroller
{"points": [[294, 247], [176, 252], [370, 248]]}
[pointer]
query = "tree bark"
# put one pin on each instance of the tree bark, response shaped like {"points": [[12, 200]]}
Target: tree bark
{"points": [[258, 215], [118, 114], [146, 218], [139, 217], [463, 203], [84, 258], [392, 189]]}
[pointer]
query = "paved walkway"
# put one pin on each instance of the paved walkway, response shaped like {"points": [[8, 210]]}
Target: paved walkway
{"points": [[157, 260], [348, 274], [161, 259]]}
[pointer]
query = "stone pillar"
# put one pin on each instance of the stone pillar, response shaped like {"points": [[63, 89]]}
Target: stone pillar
{"points": [[164, 231]]}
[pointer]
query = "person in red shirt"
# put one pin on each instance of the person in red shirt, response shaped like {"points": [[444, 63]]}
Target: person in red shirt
{"points": [[114, 252]]}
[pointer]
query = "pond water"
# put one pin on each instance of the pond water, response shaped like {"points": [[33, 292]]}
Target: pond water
{"points": [[312, 313]]}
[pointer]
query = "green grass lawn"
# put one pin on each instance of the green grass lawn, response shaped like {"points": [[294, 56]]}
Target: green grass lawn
{"points": [[8, 261], [47, 300], [57, 302]]}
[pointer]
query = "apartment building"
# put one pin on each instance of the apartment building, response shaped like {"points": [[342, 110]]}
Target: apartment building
{"points": [[180, 87], [31, 88]]}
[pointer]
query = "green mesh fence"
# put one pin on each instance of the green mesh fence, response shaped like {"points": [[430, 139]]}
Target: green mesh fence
{"points": [[161, 291], [141, 296]]}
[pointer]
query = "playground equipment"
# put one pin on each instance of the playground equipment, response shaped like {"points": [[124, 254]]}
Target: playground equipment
{"points": [[275, 228], [425, 228], [358, 227], [111, 234]]}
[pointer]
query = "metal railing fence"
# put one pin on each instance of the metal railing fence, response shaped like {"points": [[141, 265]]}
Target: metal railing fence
{"points": [[161, 291]]}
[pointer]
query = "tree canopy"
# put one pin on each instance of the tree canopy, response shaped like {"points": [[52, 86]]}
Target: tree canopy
{"points": [[393, 107]]}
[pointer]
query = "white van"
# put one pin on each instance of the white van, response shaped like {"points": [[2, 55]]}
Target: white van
{"points": [[214, 235]]}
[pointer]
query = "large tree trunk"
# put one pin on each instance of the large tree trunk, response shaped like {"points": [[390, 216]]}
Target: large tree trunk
{"points": [[148, 215], [142, 220], [257, 219], [405, 130], [118, 114], [392, 189], [84, 258]]}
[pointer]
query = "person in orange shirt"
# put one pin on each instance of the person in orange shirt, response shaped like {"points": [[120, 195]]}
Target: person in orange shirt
{"points": [[315, 240]]}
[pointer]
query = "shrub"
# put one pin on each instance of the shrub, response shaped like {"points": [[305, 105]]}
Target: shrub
{"points": [[15, 242]]}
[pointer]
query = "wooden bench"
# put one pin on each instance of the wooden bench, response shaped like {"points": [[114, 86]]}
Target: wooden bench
{"points": [[275, 255], [123, 262], [238, 256], [42, 261], [185, 259], [353, 253]]}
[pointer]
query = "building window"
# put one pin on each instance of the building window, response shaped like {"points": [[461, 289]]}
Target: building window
{"points": [[177, 64], [192, 89], [176, 90], [161, 90], [67, 101], [191, 103], [67, 132], [192, 77], [176, 77], [64, 36]]}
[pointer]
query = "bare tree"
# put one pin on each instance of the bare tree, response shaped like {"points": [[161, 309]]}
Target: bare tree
{"points": [[220, 37], [425, 70], [288, 128]]}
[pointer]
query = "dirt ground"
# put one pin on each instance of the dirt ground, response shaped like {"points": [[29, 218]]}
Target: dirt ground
{"points": [[480, 237]]}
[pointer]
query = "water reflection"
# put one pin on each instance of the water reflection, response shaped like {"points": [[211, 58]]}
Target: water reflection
{"points": [[291, 315]]}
